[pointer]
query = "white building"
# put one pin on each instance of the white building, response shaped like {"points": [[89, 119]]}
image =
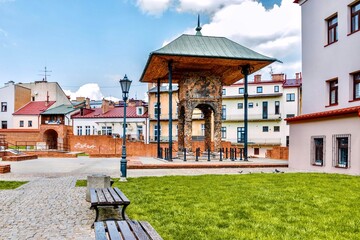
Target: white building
{"points": [[108, 120], [269, 103], [12, 98], [327, 137]]}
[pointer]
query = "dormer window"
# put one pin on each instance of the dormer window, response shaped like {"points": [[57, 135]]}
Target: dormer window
{"points": [[139, 111]]}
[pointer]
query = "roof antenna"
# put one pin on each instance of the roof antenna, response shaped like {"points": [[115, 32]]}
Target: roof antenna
{"points": [[198, 28], [45, 74]]}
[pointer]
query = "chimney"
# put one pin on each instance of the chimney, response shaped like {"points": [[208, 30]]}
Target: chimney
{"points": [[298, 75], [278, 77], [257, 78], [105, 106], [87, 103]]}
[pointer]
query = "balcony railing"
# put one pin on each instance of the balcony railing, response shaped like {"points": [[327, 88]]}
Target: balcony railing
{"points": [[252, 117]]}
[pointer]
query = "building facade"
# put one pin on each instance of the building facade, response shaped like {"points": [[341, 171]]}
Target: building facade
{"points": [[326, 137], [12, 98], [270, 102]]}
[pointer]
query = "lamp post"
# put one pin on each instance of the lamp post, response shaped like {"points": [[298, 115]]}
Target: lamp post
{"points": [[125, 87]]}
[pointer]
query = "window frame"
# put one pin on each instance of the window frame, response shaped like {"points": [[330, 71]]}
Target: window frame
{"points": [[276, 128], [241, 90], [290, 97], [79, 130], [336, 147], [277, 107], [332, 29], [276, 88], [240, 105], [3, 106], [265, 128], [87, 130], [21, 123], [223, 92], [356, 81], [223, 112], [106, 130], [333, 86], [314, 151], [250, 105], [259, 89], [30, 123], [223, 132], [353, 16]]}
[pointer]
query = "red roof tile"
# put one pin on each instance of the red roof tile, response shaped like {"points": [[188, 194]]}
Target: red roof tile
{"points": [[34, 108], [326, 114], [117, 112]]}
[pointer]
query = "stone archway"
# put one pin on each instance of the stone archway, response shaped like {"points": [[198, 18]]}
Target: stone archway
{"points": [[199, 90], [51, 139]]}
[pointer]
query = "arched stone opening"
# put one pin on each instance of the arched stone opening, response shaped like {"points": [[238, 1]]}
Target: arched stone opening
{"points": [[51, 139]]}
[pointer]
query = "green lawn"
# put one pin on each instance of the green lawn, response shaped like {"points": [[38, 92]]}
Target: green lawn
{"points": [[251, 206], [10, 184]]}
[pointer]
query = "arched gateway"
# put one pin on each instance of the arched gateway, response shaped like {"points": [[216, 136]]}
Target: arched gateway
{"points": [[201, 65], [51, 139]]}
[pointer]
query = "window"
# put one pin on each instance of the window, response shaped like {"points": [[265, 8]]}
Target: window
{"points": [[341, 150], [277, 107], [355, 17], [29, 123], [290, 115], [156, 132], [265, 110], [259, 90], [202, 129], [290, 97], [276, 128], [87, 130], [140, 131], [157, 110], [251, 105], [287, 141], [356, 78], [333, 92], [223, 112], [21, 124], [241, 91], [4, 106], [223, 91], [276, 88], [240, 105], [106, 130], [79, 130], [240, 134], [256, 151], [223, 132], [139, 110], [332, 25], [317, 150], [265, 128], [4, 124]]}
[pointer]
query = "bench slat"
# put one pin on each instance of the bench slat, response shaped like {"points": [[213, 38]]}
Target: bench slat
{"points": [[101, 196], [116, 197], [100, 231], [122, 196], [125, 230], [112, 230], [150, 231], [93, 196], [138, 231], [108, 196]]}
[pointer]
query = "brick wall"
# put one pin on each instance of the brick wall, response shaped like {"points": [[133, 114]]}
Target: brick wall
{"points": [[278, 153]]}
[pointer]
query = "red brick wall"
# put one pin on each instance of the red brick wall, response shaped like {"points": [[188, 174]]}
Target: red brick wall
{"points": [[278, 153]]}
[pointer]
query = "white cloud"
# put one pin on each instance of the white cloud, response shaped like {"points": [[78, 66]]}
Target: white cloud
{"points": [[208, 6], [153, 7], [89, 90], [3, 32], [273, 32]]}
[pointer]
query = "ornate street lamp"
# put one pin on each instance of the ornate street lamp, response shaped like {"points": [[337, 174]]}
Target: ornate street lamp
{"points": [[125, 87]]}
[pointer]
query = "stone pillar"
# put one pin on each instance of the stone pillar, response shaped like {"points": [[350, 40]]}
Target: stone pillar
{"points": [[188, 129], [207, 116], [217, 128], [181, 128]]}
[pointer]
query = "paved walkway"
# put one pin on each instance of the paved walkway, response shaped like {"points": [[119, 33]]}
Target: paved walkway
{"points": [[50, 207], [45, 208]]}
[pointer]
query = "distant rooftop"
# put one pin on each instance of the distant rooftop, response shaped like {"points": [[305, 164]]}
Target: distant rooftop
{"points": [[34, 108]]}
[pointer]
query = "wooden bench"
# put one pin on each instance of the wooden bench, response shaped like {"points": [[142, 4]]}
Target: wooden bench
{"points": [[105, 197], [126, 230]]}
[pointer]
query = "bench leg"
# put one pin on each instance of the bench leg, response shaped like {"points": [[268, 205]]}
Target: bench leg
{"points": [[96, 216], [123, 212]]}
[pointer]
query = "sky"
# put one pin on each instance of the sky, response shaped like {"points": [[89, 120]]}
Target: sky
{"points": [[88, 46]]}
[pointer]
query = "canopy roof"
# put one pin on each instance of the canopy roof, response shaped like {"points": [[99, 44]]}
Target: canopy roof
{"points": [[190, 53]]}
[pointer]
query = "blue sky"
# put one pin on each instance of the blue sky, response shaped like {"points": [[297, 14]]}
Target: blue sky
{"points": [[97, 42]]}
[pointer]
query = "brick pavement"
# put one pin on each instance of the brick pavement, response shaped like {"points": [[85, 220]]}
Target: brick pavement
{"points": [[46, 208]]}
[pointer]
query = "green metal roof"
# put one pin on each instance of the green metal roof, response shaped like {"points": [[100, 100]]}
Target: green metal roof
{"points": [[217, 55], [62, 109], [207, 46]]}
